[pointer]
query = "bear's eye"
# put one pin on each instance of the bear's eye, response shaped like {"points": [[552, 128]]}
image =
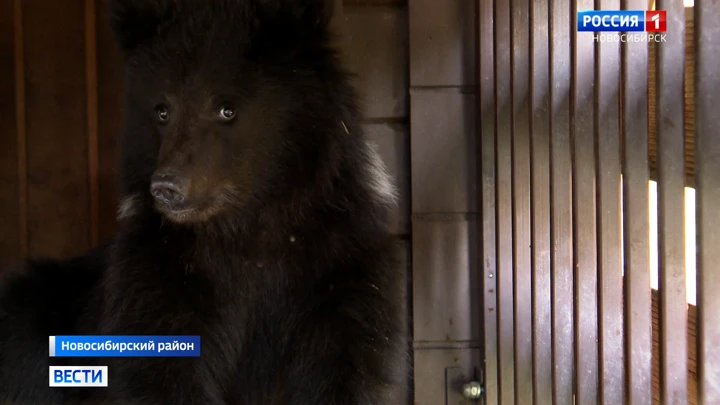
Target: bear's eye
{"points": [[227, 112], [162, 112]]}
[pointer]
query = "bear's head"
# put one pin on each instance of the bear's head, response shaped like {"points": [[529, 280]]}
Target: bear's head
{"points": [[228, 102]]}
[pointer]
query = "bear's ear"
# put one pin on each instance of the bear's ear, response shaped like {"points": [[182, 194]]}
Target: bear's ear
{"points": [[304, 14], [136, 21]]}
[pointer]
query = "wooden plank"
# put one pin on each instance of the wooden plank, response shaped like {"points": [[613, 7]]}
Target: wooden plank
{"points": [[609, 205], [707, 140], [689, 125], [692, 353], [635, 214], [503, 160], [58, 198], [10, 246], [443, 123], [442, 43], [109, 93], [671, 207], [378, 56], [91, 96], [586, 334], [486, 103], [689, 98], [21, 122], [540, 197], [522, 260], [561, 208]]}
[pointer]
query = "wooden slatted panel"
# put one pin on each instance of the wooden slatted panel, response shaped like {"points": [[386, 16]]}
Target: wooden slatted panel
{"points": [[688, 107], [540, 199], [563, 325]]}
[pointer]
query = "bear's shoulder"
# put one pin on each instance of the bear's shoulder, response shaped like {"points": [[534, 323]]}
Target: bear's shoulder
{"points": [[41, 298]]}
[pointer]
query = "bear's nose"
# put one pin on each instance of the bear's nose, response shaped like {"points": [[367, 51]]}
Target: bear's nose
{"points": [[167, 189]]}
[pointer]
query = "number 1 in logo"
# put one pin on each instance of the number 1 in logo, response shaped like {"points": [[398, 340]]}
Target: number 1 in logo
{"points": [[655, 21]]}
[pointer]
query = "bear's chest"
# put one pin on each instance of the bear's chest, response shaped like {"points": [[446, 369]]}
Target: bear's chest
{"points": [[242, 322]]}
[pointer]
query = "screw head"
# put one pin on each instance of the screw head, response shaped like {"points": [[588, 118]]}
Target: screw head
{"points": [[473, 390]]}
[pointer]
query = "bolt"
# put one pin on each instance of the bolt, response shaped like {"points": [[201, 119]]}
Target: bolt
{"points": [[472, 390]]}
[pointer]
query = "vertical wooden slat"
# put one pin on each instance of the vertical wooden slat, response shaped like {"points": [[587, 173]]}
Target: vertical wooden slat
{"points": [[561, 204], [707, 140], [9, 222], [21, 122], [486, 80], [692, 352], [688, 98], [520, 45], [54, 44], [635, 213], [91, 85], [671, 207], [584, 212], [109, 93], [540, 197], [607, 123], [689, 111], [503, 204]]}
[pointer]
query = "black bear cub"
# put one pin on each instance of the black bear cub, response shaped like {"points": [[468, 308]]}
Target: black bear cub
{"points": [[253, 214]]}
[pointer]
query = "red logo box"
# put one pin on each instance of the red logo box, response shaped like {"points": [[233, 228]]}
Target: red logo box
{"points": [[655, 21]]}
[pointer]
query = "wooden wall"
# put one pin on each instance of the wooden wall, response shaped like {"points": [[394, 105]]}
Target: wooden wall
{"points": [[60, 106]]}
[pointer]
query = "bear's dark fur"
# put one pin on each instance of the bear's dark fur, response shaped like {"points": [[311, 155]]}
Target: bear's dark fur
{"points": [[253, 214]]}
